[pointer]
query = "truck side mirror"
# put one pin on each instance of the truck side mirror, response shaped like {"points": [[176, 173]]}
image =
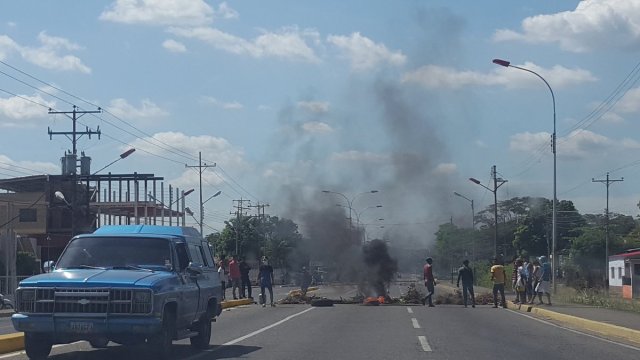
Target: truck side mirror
{"points": [[194, 269]]}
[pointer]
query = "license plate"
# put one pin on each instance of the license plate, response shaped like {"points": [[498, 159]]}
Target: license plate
{"points": [[81, 326]]}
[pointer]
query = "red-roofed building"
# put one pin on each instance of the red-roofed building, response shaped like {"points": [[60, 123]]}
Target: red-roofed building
{"points": [[624, 274]]}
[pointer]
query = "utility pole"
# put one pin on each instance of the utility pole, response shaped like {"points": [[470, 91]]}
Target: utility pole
{"points": [[607, 182], [497, 182], [261, 217], [201, 167], [74, 115], [240, 208]]}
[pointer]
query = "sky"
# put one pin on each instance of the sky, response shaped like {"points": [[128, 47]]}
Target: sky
{"points": [[289, 98]]}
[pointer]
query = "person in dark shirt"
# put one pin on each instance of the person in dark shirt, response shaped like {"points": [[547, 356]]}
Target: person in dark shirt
{"points": [[465, 273], [244, 279], [265, 278]]}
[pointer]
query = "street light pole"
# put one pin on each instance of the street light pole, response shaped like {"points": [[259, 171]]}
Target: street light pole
{"points": [[350, 205], [553, 150], [496, 180], [473, 223]]}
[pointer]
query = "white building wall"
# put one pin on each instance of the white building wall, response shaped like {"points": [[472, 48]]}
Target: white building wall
{"points": [[615, 276]]}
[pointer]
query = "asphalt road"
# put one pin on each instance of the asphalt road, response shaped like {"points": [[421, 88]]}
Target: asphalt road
{"points": [[376, 332]]}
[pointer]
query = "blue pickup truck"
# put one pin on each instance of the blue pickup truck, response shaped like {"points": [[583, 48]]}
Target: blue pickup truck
{"points": [[129, 284]]}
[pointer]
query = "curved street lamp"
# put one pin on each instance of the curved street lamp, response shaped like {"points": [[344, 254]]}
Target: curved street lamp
{"points": [[350, 204], [473, 221], [506, 63]]}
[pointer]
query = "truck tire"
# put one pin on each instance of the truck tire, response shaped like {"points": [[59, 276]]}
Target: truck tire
{"points": [[160, 344], [37, 346], [201, 341]]}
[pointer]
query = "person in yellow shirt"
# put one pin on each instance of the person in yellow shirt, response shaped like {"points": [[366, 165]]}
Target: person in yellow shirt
{"points": [[498, 276]]}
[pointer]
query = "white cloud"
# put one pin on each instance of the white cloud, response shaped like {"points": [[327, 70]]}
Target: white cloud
{"points": [[17, 110], [159, 12], [317, 127], [147, 110], [579, 144], [630, 143], [289, 43], [48, 54], [594, 24], [445, 169], [529, 142], [630, 102], [27, 167], [174, 46], [217, 149], [433, 76], [319, 107], [364, 53], [7, 45], [226, 12], [223, 105]]}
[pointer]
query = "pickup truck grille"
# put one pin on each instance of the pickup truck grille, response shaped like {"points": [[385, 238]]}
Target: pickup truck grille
{"points": [[83, 301]]}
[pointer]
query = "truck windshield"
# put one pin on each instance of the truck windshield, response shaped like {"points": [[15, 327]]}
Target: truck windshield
{"points": [[116, 252]]}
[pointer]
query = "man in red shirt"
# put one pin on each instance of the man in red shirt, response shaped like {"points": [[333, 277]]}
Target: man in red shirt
{"points": [[429, 282], [234, 274]]}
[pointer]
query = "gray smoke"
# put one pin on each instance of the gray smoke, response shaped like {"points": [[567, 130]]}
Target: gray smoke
{"points": [[392, 129]]}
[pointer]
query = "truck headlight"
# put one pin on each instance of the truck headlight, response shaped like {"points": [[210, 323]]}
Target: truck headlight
{"points": [[142, 296], [28, 294]]}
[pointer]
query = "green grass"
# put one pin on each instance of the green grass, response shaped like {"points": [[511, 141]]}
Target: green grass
{"points": [[595, 297]]}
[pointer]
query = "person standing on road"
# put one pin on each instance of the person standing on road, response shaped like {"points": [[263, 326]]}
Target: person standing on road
{"points": [[234, 273], [223, 273], [465, 273], [535, 279], [265, 278], [305, 281], [544, 286], [244, 279], [429, 282], [498, 276], [520, 285], [528, 269]]}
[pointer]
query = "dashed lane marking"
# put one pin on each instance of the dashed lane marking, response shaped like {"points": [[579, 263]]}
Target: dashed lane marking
{"points": [[410, 310], [414, 321], [424, 343]]}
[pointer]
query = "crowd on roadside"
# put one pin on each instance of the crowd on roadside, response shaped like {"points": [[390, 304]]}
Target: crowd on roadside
{"points": [[530, 279], [235, 274]]}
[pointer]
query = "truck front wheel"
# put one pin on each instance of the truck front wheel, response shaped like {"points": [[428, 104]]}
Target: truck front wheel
{"points": [[201, 341], [37, 346], [160, 344]]}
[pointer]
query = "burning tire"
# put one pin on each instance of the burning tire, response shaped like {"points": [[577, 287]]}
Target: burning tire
{"points": [[322, 302]]}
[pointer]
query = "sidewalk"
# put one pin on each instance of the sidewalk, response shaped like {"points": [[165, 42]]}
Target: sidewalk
{"points": [[610, 323]]}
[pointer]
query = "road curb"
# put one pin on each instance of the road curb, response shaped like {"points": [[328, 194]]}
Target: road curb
{"points": [[233, 303], [602, 328], [11, 342]]}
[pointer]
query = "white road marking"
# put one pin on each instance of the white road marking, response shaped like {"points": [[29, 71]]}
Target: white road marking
{"points": [[578, 332], [414, 321], [266, 328], [424, 343], [410, 310], [22, 352]]}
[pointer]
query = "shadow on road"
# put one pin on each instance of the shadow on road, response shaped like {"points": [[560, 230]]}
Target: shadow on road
{"points": [[234, 351], [180, 351]]}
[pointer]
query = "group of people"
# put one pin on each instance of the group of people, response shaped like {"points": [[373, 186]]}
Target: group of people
{"points": [[529, 280], [235, 274]]}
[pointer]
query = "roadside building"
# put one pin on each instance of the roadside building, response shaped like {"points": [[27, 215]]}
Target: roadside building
{"points": [[624, 274]]}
